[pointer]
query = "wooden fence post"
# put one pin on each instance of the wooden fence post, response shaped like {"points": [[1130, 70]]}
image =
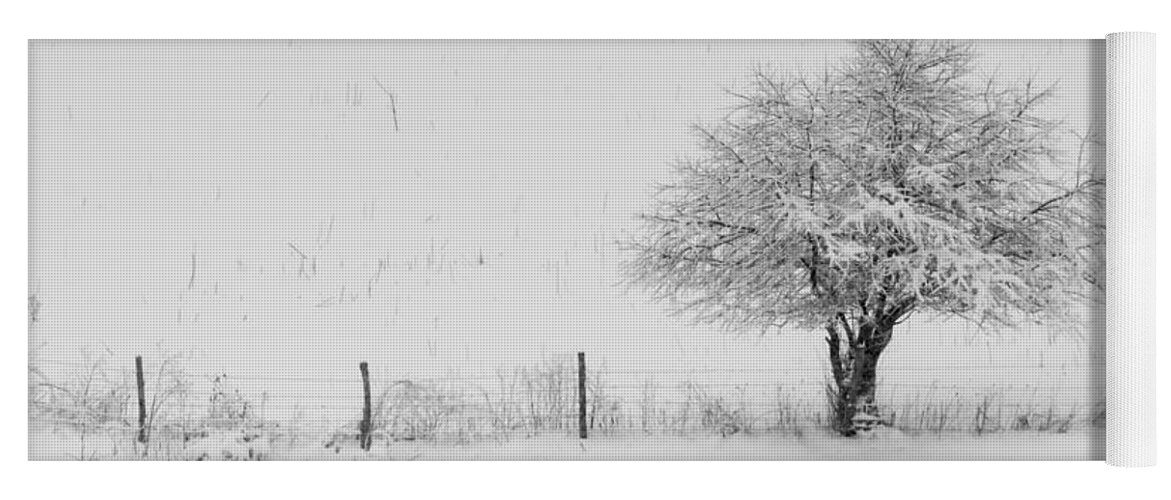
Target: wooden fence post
{"points": [[582, 431], [364, 428], [141, 400]]}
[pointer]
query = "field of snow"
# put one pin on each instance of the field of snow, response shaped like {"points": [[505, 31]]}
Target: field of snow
{"points": [[1083, 444], [280, 212]]}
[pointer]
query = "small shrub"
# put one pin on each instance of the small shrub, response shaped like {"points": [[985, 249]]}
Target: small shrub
{"points": [[983, 420], [227, 408], [716, 413], [604, 410], [230, 430], [417, 411]]}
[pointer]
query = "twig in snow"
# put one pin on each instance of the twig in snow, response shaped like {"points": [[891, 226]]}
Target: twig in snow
{"points": [[393, 105], [299, 252], [191, 282]]}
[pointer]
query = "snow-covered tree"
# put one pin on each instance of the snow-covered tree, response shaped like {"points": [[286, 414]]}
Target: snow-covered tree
{"points": [[894, 185]]}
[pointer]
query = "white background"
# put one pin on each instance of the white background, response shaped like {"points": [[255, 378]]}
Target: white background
{"points": [[535, 20]]}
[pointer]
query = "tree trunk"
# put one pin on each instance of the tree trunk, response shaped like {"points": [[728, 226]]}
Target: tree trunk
{"points": [[854, 361]]}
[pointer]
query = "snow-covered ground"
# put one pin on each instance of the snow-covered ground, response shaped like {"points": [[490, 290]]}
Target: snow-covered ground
{"points": [[269, 211], [1085, 445], [888, 444]]}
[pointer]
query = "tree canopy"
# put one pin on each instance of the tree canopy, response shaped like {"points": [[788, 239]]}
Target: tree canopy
{"points": [[896, 183]]}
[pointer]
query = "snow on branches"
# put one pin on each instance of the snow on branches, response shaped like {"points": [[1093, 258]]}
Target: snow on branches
{"points": [[893, 185]]}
